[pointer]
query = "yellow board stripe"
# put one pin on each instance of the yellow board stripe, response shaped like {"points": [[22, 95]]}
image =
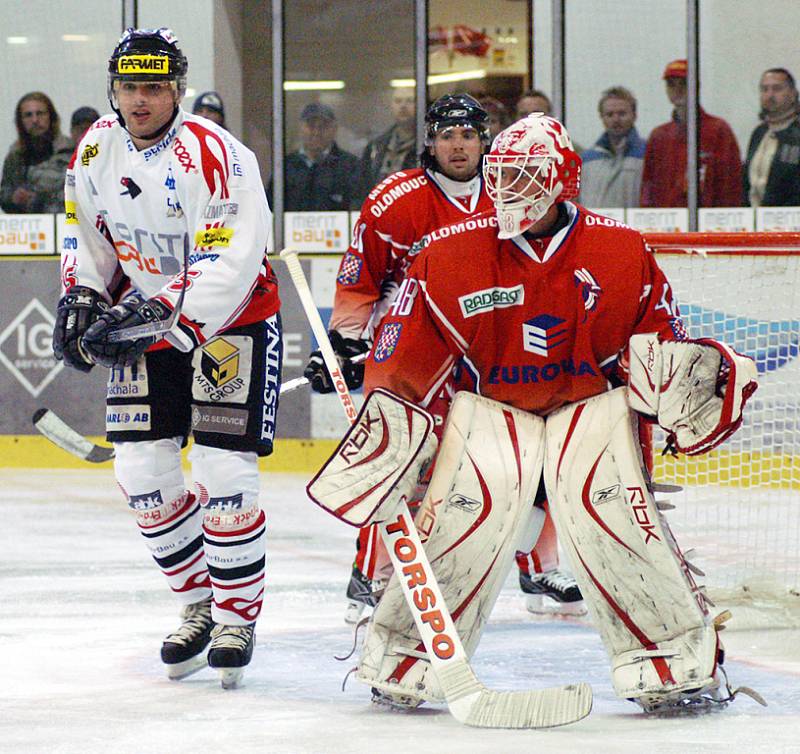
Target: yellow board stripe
{"points": [[35, 452], [755, 469]]}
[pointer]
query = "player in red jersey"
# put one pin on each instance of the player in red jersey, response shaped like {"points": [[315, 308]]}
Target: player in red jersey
{"points": [[400, 217], [551, 309]]}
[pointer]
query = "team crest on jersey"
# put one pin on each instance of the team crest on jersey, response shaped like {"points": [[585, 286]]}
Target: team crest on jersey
{"points": [[350, 269], [131, 189], [387, 342], [589, 289], [542, 334]]}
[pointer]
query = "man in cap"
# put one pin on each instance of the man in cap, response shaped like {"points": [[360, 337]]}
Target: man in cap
{"points": [[319, 176], [209, 105], [664, 177]]}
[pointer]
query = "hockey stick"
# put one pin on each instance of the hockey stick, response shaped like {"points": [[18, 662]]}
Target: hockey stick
{"points": [[55, 429], [61, 434], [467, 698], [163, 326]]}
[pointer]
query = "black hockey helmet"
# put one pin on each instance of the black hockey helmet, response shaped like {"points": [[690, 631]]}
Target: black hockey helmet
{"points": [[456, 110], [453, 110], [147, 55]]}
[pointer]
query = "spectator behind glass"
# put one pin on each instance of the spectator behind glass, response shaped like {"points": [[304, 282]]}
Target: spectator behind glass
{"points": [[81, 121], [771, 172], [664, 178], [536, 101], [612, 168], [35, 166], [498, 114], [209, 105], [533, 101], [393, 150], [319, 176]]}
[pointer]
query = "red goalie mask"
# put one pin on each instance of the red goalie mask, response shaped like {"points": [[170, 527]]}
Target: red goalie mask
{"points": [[530, 166]]}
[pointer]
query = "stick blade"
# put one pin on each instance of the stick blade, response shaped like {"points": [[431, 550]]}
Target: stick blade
{"points": [[61, 434], [544, 708]]}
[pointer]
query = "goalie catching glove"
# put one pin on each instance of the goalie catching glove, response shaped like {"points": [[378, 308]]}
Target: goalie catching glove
{"points": [[132, 311], [346, 349], [695, 389]]}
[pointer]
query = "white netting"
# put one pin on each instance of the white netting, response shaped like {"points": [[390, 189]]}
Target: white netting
{"points": [[740, 507]]}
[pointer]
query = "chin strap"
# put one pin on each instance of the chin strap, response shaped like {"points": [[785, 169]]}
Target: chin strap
{"points": [[147, 137]]}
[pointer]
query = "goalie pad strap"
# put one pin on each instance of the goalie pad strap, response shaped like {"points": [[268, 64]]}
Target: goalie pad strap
{"points": [[480, 495]]}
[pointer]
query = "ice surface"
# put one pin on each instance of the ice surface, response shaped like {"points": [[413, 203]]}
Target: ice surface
{"points": [[84, 611]]}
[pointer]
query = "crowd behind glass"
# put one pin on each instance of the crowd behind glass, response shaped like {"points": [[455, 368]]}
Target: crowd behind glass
{"points": [[621, 169]]}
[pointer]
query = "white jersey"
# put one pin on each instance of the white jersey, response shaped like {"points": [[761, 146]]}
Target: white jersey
{"points": [[131, 213]]}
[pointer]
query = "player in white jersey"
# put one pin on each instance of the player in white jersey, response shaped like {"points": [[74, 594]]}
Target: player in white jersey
{"points": [[162, 203]]}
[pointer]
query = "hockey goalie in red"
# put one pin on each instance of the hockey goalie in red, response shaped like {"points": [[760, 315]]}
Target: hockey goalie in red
{"points": [[402, 215], [572, 337]]}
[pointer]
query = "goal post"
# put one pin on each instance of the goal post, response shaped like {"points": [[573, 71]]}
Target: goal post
{"points": [[740, 504]]}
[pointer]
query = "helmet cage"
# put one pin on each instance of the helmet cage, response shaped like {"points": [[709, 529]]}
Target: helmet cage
{"points": [[535, 180]]}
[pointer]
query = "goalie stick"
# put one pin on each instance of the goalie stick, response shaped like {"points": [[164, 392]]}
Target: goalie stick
{"points": [[161, 327], [55, 429], [468, 700]]}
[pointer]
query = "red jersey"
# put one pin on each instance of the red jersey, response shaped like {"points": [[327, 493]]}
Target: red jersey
{"points": [[536, 328], [396, 221], [664, 181]]}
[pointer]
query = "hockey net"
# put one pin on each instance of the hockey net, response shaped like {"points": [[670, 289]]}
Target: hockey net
{"points": [[740, 504]]}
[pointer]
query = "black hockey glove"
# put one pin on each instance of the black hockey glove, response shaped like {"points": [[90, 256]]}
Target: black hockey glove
{"points": [[345, 349], [131, 311], [77, 310]]}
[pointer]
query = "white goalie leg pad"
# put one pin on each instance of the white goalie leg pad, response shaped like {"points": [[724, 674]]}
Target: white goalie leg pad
{"points": [[697, 389], [169, 519], [234, 531], [379, 460], [642, 597], [470, 520]]}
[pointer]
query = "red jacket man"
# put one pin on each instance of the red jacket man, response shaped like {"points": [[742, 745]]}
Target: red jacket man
{"points": [[664, 177]]}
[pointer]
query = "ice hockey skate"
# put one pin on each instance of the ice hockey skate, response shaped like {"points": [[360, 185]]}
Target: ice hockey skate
{"points": [[230, 652], [362, 592], [552, 593], [183, 652]]}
